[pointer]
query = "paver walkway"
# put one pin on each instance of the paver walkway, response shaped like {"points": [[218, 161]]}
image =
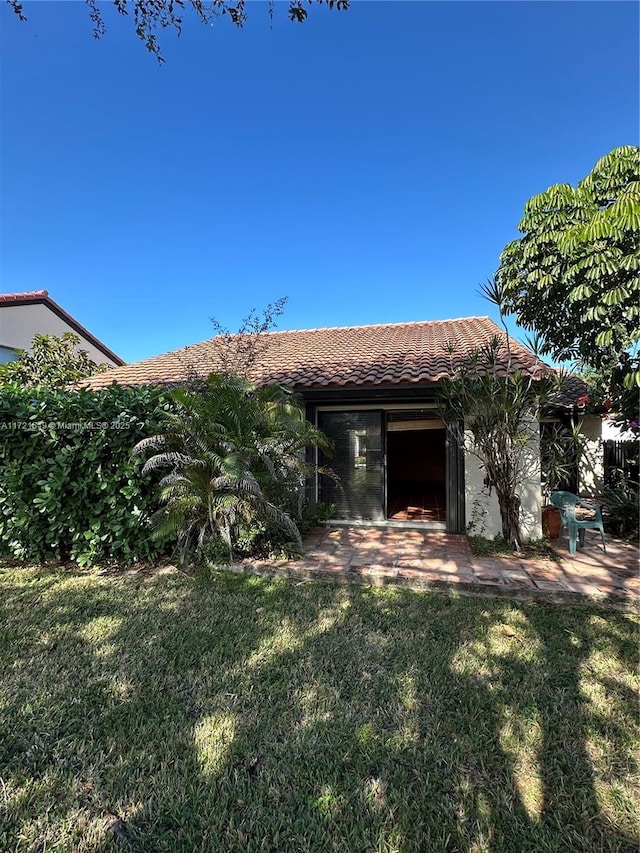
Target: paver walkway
{"points": [[423, 559]]}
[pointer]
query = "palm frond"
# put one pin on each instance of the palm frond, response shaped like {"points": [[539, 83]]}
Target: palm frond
{"points": [[234, 453]]}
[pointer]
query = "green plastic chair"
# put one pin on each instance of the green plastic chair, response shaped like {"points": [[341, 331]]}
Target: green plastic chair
{"points": [[567, 503]]}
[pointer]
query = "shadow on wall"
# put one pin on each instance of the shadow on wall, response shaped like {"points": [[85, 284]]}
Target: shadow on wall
{"points": [[482, 510]]}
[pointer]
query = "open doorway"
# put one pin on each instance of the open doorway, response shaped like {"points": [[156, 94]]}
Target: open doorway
{"points": [[416, 470]]}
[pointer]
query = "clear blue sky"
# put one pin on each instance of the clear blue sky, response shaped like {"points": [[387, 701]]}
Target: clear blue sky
{"points": [[369, 165]]}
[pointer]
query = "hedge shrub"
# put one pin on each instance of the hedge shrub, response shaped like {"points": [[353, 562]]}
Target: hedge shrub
{"points": [[69, 487]]}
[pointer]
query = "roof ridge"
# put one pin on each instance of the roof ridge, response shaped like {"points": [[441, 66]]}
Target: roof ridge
{"points": [[378, 325], [317, 329], [403, 353], [25, 294]]}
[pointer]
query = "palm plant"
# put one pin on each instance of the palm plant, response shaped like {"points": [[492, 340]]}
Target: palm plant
{"points": [[561, 448], [491, 409], [235, 455]]}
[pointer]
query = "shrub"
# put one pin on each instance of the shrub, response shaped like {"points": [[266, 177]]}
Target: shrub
{"points": [[233, 459], [69, 487], [621, 506]]}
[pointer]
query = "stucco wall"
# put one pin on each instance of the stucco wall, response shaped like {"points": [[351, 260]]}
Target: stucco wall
{"points": [[591, 464], [481, 507], [612, 432], [19, 323]]}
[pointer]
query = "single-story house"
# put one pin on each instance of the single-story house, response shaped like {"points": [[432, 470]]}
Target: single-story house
{"points": [[373, 390], [24, 315]]}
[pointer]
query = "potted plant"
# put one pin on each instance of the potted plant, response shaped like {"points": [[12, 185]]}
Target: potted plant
{"points": [[551, 521]]}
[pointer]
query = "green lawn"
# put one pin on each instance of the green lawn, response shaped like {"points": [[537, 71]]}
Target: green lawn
{"points": [[244, 714]]}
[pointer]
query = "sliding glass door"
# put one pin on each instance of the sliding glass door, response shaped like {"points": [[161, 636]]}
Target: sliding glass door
{"points": [[358, 462]]}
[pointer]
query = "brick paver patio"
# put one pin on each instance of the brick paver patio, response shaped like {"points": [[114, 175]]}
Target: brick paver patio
{"points": [[423, 559]]}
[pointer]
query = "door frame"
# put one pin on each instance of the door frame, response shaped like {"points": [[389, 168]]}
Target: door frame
{"points": [[455, 463]]}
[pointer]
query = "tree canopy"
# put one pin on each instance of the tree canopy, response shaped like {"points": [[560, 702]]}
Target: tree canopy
{"points": [[573, 276], [52, 362], [149, 16]]}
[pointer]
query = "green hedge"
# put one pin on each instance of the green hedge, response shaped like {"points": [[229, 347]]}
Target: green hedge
{"points": [[69, 487]]}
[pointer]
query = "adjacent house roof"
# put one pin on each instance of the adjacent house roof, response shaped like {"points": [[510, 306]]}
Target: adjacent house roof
{"points": [[392, 354], [41, 297], [29, 297], [570, 392]]}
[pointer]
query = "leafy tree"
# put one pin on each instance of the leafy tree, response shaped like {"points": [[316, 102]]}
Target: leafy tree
{"points": [[151, 15], [52, 362], [608, 392], [574, 274], [492, 408], [235, 457]]}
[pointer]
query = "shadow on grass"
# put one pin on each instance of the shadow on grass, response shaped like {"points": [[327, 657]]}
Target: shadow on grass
{"points": [[252, 715]]}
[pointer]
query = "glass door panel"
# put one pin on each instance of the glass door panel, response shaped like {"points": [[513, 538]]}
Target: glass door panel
{"points": [[357, 461]]}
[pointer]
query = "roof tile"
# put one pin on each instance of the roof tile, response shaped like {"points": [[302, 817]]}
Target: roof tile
{"points": [[27, 296], [386, 354]]}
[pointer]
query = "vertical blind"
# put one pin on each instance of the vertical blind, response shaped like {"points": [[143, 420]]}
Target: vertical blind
{"points": [[357, 462]]}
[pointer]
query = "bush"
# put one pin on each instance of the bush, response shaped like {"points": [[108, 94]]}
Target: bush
{"points": [[69, 487], [263, 539], [232, 457], [266, 540], [620, 511]]}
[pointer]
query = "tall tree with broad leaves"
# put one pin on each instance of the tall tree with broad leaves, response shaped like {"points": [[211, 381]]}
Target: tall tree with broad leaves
{"points": [[574, 275], [233, 456], [149, 16], [52, 362]]}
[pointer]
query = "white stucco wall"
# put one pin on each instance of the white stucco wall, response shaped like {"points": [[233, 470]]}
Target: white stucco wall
{"points": [[481, 508], [591, 464], [19, 323], [612, 432]]}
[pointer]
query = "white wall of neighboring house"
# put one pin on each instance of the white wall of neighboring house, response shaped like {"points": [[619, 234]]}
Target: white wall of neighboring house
{"points": [[612, 432], [19, 324], [481, 506]]}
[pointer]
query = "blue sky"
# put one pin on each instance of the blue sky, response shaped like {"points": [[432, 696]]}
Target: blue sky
{"points": [[369, 165]]}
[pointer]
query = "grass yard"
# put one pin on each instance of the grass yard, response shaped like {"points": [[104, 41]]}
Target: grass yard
{"points": [[168, 713]]}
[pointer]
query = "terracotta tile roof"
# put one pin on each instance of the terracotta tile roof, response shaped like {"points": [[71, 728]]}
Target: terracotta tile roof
{"points": [[349, 356], [29, 296]]}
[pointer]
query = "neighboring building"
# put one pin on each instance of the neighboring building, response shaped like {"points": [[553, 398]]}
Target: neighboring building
{"points": [[373, 390], [23, 315], [613, 432], [620, 452], [591, 463], [587, 476]]}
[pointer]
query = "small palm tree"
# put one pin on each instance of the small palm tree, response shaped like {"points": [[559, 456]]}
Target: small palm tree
{"points": [[235, 454], [492, 410]]}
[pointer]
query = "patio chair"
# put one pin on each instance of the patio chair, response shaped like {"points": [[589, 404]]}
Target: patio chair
{"points": [[567, 503]]}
